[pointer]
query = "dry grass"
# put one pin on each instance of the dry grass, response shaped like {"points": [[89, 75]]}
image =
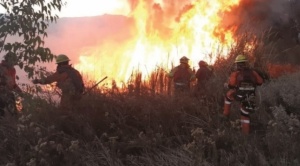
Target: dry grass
{"points": [[143, 124], [135, 129]]}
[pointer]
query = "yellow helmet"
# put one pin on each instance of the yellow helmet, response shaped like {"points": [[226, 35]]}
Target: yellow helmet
{"points": [[241, 58], [62, 58], [184, 59]]}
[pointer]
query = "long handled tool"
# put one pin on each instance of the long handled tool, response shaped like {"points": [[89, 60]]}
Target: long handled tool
{"points": [[87, 91]]}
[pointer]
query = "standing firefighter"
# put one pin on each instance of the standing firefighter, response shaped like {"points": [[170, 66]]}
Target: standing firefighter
{"points": [[8, 85], [68, 79], [203, 74], [242, 84], [182, 76]]}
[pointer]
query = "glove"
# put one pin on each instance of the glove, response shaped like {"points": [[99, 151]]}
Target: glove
{"points": [[36, 81]]}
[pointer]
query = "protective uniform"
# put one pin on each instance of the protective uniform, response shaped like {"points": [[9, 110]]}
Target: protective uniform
{"points": [[202, 75], [242, 84], [64, 77], [182, 76], [8, 85]]}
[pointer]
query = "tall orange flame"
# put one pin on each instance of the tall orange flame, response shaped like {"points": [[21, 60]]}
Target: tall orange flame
{"points": [[161, 37]]}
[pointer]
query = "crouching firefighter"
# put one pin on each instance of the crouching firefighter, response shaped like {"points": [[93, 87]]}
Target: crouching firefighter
{"points": [[242, 84], [68, 79]]}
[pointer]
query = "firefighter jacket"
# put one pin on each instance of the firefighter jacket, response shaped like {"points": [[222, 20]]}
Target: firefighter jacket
{"points": [[70, 83], [182, 74], [247, 75], [202, 75], [8, 74]]}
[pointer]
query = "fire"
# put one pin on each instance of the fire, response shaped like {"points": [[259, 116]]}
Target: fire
{"points": [[162, 34]]}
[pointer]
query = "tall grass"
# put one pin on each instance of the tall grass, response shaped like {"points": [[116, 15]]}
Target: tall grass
{"points": [[143, 124]]}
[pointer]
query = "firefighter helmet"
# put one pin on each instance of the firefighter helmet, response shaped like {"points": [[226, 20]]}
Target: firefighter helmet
{"points": [[184, 59], [202, 63], [62, 58], [241, 58]]}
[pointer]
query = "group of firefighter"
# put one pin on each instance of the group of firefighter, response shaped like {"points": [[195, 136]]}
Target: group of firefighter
{"points": [[241, 84]]}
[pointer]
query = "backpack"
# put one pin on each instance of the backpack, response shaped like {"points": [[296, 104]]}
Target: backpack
{"points": [[203, 74], [246, 78], [246, 82], [182, 75], [76, 79]]}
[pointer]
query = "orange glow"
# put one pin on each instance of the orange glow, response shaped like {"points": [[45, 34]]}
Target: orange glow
{"points": [[93, 8], [161, 36]]}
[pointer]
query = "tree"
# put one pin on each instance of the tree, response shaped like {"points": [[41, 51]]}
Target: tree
{"points": [[27, 19]]}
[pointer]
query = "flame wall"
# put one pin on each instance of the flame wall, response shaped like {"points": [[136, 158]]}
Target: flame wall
{"points": [[161, 34], [158, 33]]}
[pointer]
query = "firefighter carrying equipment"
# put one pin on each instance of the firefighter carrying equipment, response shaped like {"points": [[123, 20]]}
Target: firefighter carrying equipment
{"points": [[75, 77], [203, 74], [182, 74], [62, 58], [69, 81], [242, 84], [246, 82]]}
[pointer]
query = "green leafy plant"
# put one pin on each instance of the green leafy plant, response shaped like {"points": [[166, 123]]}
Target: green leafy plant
{"points": [[27, 20]]}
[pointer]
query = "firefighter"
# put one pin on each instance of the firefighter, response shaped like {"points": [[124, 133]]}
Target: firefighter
{"points": [[182, 76], [68, 79], [8, 85], [242, 83], [203, 74]]}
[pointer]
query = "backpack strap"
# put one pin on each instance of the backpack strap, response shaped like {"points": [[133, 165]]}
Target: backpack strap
{"points": [[76, 79]]}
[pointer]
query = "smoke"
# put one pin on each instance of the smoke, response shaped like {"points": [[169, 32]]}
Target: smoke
{"points": [[72, 36], [249, 14], [257, 15], [280, 19]]}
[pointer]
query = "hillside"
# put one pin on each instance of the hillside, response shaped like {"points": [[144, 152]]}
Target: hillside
{"points": [[144, 124], [143, 128]]}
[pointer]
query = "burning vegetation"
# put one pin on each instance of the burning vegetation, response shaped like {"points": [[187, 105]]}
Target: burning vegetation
{"points": [[161, 32], [134, 119]]}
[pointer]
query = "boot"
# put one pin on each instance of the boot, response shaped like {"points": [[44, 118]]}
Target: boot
{"points": [[245, 124], [227, 106]]}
